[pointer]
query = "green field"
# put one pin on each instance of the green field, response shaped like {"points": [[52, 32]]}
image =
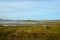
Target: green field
{"points": [[30, 33]]}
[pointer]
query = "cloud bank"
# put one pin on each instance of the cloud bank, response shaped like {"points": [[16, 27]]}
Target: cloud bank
{"points": [[29, 10]]}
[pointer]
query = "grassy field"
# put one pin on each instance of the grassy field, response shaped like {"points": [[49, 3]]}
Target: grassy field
{"points": [[30, 33]]}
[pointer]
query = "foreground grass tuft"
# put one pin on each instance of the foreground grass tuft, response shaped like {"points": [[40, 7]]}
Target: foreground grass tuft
{"points": [[30, 33]]}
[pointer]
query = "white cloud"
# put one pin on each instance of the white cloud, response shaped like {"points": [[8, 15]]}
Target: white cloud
{"points": [[49, 5], [3, 10], [12, 6], [16, 4], [20, 9]]}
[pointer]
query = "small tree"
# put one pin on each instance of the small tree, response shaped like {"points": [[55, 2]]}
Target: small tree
{"points": [[48, 25], [1, 25]]}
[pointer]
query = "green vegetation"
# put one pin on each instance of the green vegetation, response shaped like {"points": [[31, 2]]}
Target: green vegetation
{"points": [[30, 33], [48, 30]]}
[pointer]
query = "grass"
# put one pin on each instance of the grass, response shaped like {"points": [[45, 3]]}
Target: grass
{"points": [[30, 33]]}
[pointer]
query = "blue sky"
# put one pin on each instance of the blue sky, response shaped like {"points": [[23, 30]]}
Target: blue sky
{"points": [[30, 9]]}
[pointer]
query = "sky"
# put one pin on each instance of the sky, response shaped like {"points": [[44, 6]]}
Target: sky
{"points": [[30, 9]]}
